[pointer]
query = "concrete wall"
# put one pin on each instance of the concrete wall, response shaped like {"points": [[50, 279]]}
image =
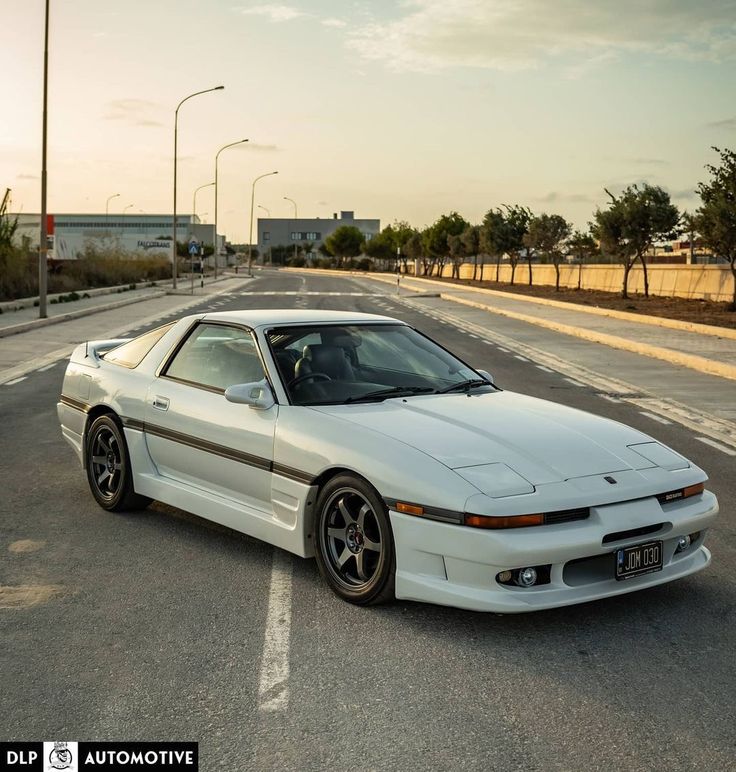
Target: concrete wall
{"points": [[708, 282]]}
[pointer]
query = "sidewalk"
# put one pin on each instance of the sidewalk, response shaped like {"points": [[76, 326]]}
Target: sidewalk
{"points": [[14, 322], [43, 344], [713, 353]]}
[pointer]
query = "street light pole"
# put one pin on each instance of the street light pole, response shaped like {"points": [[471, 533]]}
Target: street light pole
{"points": [[217, 155], [107, 206], [125, 209], [250, 237], [194, 198], [296, 217], [194, 214], [176, 131], [43, 246]]}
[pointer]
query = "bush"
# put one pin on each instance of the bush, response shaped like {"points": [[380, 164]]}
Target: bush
{"points": [[365, 264], [296, 262]]}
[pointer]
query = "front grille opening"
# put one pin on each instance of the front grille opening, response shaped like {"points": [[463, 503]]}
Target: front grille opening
{"points": [[566, 516], [632, 533]]}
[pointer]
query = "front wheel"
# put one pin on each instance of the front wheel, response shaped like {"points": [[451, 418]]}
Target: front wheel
{"points": [[108, 467], [354, 544]]}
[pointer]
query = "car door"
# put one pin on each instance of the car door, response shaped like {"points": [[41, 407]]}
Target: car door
{"points": [[194, 435]]}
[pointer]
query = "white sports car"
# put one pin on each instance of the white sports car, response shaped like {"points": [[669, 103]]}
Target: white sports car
{"points": [[356, 439]]}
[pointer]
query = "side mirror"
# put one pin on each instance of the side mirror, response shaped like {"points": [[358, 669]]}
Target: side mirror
{"points": [[484, 374], [256, 395]]}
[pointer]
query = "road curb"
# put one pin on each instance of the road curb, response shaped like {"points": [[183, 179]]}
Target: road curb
{"points": [[694, 362], [627, 316], [15, 329]]}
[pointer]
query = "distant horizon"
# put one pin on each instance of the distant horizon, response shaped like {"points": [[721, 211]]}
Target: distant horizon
{"points": [[396, 111]]}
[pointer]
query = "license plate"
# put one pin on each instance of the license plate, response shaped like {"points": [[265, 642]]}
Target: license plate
{"points": [[639, 559]]}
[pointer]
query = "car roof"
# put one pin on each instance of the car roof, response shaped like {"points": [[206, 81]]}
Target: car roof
{"points": [[267, 317]]}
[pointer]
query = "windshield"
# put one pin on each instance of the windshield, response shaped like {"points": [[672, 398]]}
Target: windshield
{"points": [[331, 364]]}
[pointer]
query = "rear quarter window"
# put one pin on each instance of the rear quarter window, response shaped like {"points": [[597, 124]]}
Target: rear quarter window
{"points": [[132, 353]]}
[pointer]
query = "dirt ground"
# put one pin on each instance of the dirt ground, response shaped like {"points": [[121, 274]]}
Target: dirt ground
{"points": [[701, 311]]}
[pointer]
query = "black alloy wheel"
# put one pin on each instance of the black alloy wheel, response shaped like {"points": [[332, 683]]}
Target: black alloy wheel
{"points": [[355, 550], [108, 467]]}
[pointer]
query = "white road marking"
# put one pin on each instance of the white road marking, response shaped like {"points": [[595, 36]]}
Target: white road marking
{"points": [[273, 688], [546, 369], [574, 382], [655, 417], [717, 446], [518, 356], [473, 336], [504, 350], [47, 367], [610, 399], [16, 380], [489, 343]]}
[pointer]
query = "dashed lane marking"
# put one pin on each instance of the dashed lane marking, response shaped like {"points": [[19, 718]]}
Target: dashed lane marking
{"points": [[546, 369], [653, 417], [47, 367], [15, 380], [273, 687], [610, 398], [520, 358], [717, 446], [574, 382]]}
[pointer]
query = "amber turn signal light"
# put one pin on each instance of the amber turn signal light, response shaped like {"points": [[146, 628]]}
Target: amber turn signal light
{"points": [[693, 490], [409, 509], [513, 521]]}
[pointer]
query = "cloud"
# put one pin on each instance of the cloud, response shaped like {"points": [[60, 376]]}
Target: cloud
{"points": [[648, 161], [136, 112], [556, 197], [683, 193], [26, 177], [333, 23], [520, 34], [729, 124], [273, 12]]}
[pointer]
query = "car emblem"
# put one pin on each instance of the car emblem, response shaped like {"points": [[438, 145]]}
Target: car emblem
{"points": [[610, 480]]}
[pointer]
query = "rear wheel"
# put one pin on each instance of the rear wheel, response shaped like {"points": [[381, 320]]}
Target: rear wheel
{"points": [[355, 547], [108, 467]]}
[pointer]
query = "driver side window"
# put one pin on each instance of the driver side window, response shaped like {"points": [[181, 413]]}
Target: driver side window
{"points": [[215, 357]]}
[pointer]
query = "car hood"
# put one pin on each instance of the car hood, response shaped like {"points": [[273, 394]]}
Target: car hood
{"points": [[542, 441]]}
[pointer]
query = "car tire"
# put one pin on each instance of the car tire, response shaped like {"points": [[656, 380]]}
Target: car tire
{"points": [[354, 542], [108, 467]]}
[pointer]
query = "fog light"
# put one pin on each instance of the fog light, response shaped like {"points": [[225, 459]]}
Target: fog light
{"points": [[682, 543], [527, 577], [504, 577]]}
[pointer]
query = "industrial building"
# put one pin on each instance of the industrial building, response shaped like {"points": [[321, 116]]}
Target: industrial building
{"points": [[136, 234], [288, 231]]}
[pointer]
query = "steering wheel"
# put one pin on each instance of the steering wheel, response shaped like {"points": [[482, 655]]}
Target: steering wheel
{"points": [[309, 376]]}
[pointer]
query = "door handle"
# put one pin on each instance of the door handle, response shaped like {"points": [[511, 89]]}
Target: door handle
{"points": [[161, 403]]}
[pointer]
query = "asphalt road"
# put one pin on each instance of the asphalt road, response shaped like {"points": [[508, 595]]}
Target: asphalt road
{"points": [[150, 626]]}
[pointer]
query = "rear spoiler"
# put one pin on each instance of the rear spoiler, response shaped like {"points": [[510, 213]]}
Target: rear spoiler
{"points": [[92, 351]]}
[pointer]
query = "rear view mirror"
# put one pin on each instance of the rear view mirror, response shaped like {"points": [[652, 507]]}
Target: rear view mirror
{"points": [[485, 374], [257, 395]]}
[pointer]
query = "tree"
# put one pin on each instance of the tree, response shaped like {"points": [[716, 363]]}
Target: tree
{"points": [[471, 244], [457, 253], [413, 246], [381, 246], [582, 247], [503, 233], [434, 238], [345, 241], [632, 223], [547, 234], [716, 217]]}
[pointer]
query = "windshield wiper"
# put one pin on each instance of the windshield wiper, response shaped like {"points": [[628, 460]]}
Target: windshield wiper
{"points": [[394, 391], [471, 383]]}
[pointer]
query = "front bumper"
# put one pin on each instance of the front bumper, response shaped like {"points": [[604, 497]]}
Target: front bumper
{"points": [[455, 565]]}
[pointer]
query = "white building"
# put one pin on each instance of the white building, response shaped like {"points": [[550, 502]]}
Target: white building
{"points": [[136, 234]]}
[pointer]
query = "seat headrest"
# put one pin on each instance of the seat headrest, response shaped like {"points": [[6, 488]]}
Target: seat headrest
{"points": [[327, 359]]}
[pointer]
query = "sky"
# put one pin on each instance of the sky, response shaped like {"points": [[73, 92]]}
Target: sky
{"points": [[396, 110]]}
